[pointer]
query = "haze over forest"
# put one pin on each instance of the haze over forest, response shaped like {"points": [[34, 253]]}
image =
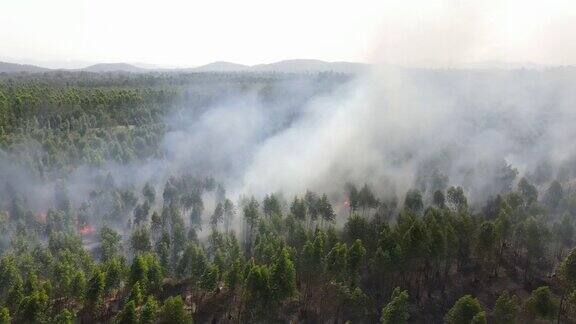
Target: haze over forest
{"points": [[375, 162]]}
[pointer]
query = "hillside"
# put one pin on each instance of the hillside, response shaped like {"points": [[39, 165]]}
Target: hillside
{"points": [[287, 66], [302, 66], [113, 67], [221, 66], [16, 68]]}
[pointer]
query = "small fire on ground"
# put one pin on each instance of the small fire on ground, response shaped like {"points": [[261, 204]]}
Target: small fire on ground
{"points": [[86, 229]]}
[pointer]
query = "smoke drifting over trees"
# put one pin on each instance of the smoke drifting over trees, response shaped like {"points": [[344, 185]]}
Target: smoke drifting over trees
{"points": [[427, 129], [251, 182], [395, 129], [396, 195]]}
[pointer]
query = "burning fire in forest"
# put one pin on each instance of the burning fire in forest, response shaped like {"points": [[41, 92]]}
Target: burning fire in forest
{"points": [[86, 230]]}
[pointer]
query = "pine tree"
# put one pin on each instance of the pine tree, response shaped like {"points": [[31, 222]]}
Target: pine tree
{"points": [[34, 307], [439, 199], [128, 314], [326, 210], [479, 318], [140, 240], [139, 271], [413, 201], [173, 312], [396, 311], [251, 215], [298, 209], [5, 316], [464, 311], [95, 287], [209, 279], [337, 262], [567, 276], [271, 205], [78, 286], [506, 309], [283, 276], [356, 255], [114, 269], [456, 199], [150, 311], [109, 242], [540, 303], [64, 317], [136, 294], [155, 273]]}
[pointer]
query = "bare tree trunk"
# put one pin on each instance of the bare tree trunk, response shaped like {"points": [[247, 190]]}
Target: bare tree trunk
{"points": [[560, 308], [526, 269]]}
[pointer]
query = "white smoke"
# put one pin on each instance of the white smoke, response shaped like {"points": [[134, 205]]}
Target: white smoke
{"points": [[393, 128]]}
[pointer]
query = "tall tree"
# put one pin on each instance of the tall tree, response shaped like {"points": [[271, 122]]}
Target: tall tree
{"points": [[541, 303], [128, 314], [283, 275], [251, 215], [64, 317], [457, 199], [271, 205], [173, 312], [567, 276], [367, 200], [413, 201], [218, 215], [353, 197], [396, 311], [149, 193], [527, 191], [486, 246], [325, 209], [553, 196], [109, 242], [5, 316], [140, 240], [95, 287], [506, 308], [464, 311], [150, 311], [229, 213], [439, 199], [298, 209], [356, 255]]}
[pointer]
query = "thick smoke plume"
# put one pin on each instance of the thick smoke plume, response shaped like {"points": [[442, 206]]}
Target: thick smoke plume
{"points": [[394, 128], [398, 129]]}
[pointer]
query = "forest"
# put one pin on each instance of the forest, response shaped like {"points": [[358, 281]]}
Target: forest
{"points": [[120, 203]]}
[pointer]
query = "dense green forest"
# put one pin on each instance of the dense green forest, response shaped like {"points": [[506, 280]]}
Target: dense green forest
{"points": [[185, 250], [54, 121]]}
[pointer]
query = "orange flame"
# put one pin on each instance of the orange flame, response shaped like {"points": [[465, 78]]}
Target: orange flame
{"points": [[87, 229]]}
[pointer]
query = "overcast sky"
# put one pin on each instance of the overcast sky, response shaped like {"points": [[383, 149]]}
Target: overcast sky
{"points": [[190, 33]]}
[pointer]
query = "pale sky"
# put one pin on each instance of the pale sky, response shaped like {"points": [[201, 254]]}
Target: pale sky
{"points": [[191, 33]]}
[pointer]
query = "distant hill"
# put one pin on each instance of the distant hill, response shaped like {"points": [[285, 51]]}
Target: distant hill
{"points": [[16, 68], [300, 66], [288, 66], [498, 65], [221, 66], [114, 67]]}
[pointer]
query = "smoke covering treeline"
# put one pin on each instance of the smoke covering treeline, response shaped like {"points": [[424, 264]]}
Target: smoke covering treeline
{"points": [[272, 193], [259, 133], [73, 127]]}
